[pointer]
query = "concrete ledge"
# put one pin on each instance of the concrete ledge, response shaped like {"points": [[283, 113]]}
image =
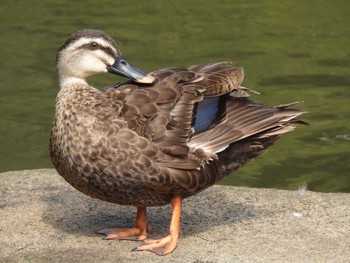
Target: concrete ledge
{"points": [[43, 219]]}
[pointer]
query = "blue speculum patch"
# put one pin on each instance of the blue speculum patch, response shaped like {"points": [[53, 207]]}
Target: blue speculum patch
{"points": [[209, 111]]}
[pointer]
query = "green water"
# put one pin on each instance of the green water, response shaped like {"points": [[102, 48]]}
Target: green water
{"points": [[291, 50]]}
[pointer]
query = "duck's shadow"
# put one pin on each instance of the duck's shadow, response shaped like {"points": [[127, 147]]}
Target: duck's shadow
{"points": [[72, 212]]}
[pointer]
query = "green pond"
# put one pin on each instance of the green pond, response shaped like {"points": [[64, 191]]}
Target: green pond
{"points": [[290, 50]]}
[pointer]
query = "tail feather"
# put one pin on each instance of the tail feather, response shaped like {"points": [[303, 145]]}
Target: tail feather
{"points": [[240, 152]]}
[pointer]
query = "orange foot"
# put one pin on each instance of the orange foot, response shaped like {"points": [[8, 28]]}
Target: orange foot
{"points": [[161, 246], [136, 234], [167, 244]]}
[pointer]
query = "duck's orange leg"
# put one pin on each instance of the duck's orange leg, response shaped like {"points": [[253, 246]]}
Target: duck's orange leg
{"points": [[167, 244], [137, 233]]}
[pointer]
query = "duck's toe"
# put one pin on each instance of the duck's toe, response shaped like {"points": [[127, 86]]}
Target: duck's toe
{"points": [[161, 246], [135, 234], [167, 244]]}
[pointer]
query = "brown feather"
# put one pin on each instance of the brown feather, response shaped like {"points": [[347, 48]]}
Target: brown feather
{"points": [[135, 145]]}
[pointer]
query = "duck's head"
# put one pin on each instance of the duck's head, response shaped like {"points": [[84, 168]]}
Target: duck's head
{"points": [[89, 52]]}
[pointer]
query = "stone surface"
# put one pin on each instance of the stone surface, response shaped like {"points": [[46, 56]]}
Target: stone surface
{"points": [[43, 219]]}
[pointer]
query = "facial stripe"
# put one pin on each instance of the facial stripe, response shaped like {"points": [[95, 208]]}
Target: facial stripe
{"points": [[85, 42], [88, 34], [106, 58], [109, 51], [105, 49]]}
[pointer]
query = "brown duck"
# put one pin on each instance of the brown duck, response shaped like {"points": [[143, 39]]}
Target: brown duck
{"points": [[158, 138]]}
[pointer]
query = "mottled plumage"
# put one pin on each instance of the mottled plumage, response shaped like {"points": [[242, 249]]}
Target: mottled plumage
{"points": [[148, 144]]}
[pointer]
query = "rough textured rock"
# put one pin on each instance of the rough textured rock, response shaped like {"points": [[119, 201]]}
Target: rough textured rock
{"points": [[43, 219]]}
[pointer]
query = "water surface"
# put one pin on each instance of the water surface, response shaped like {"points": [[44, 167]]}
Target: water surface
{"points": [[290, 51]]}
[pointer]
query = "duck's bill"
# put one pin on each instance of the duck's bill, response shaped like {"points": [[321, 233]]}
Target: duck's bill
{"points": [[122, 67]]}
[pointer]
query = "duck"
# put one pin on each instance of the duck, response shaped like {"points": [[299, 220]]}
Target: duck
{"points": [[156, 138]]}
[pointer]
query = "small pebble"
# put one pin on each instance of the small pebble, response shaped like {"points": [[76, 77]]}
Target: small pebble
{"points": [[297, 215]]}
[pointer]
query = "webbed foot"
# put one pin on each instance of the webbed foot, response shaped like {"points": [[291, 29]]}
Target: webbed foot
{"points": [[167, 244], [137, 233]]}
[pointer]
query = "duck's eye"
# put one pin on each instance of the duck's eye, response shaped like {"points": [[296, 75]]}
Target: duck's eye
{"points": [[93, 45]]}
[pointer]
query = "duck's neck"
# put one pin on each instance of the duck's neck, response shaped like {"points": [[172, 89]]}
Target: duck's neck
{"points": [[72, 81], [75, 92]]}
